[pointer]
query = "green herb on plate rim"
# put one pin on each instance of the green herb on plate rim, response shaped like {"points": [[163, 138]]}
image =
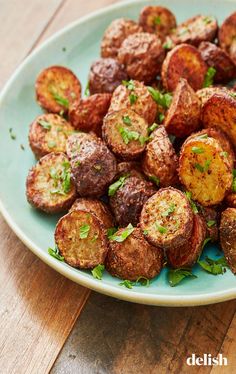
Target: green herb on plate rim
{"points": [[97, 272], [54, 252], [175, 276], [126, 283]]}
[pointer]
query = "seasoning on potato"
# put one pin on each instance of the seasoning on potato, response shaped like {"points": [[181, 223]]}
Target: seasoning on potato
{"points": [[157, 20], [227, 36], [228, 236]]}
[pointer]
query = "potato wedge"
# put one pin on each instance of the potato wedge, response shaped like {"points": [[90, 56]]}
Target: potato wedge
{"points": [[204, 170], [228, 236], [57, 88], [227, 35], [81, 239], [167, 218], [89, 113], [49, 186], [160, 161], [157, 20], [186, 255], [134, 95], [184, 61], [125, 133], [183, 115], [133, 258], [49, 133]]}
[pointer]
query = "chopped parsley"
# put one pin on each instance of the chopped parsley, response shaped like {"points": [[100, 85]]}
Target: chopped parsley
{"points": [[161, 229], [145, 232], [203, 136], [209, 77], [51, 144], [224, 154], [133, 98], [143, 280], [207, 240], [170, 210], [12, 135], [163, 100], [22, 147], [125, 233], [204, 168], [128, 135], [175, 276], [154, 179], [45, 124], [126, 283], [197, 150], [126, 120], [161, 117], [234, 181], [143, 139], [214, 267], [157, 20], [87, 92], [116, 185], [129, 85], [192, 203], [84, 231], [111, 231], [211, 223], [54, 252], [62, 179], [97, 272], [60, 100], [168, 44], [207, 20], [153, 127]]}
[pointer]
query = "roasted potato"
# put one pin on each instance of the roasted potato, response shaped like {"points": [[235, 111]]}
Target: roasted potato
{"points": [[227, 36], [125, 133], [184, 61], [210, 215], [230, 200], [228, 236], [167, 218], [220, 60], [57, 88], [183, 115], [220, 111], [142, 54], [48, 133], [160, 161], [133, 258], [105, 75], [157, 20], [81, 239], [127, 201], [205, 93], [49, 186], [186, 255], [117, 31], [93, 165], [89, 113], [96, 207], [133, 168], [204, 170], [134, 95]]}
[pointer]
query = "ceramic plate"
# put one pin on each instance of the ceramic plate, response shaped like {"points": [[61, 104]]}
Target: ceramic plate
{"points": [[76, 47]]}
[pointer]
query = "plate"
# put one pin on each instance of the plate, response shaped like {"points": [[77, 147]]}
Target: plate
{"points": [[76, 46]]}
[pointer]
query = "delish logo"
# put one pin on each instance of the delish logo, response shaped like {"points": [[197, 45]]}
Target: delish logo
{"points": [[207, 360]]}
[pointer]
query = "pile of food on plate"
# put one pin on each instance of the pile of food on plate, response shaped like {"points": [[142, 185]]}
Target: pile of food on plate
{"points": [[143, 164]]}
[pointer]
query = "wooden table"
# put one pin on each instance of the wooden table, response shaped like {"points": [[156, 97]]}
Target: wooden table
{"points": [[39, 308]]}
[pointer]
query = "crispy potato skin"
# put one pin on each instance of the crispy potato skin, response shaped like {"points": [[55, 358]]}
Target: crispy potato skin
{"points": [[183, 61], [205, 93], [58, 80], [134, 258], [160, 160], [157, 20], [81, 253], [220, 60], [133, 168], [96, 207], [210, 185], [93, 165], [183, 116], [112, 125], [129, 199], [228, 236], [186, 255], [220, 111], [39, 185], [177, 224], [117, 31], [230, 200], [89, 113], [43, 141], [145, 106], [142, 54], [227, 34], [210, 214], [105, 75]]}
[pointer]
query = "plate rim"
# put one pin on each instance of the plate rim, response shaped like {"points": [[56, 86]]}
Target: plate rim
{"points": [[80, 278]]}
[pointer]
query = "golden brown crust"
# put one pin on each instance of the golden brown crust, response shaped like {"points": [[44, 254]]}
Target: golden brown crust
{"points": [[89, 113], [132, 168], [160, 160], [227, 35], [117, 31], [205, 93], [186, 256], [230, 200], [79, 250], [157, 20], [49, 133], [167, 218], [210, 215], [134, 258], [48, 185], [115, 132], [142, 54], [204, 170], [184, 61], [220, 111], [96, 207], [228, 236], [56, 83], [144, 105], [183, 115]]}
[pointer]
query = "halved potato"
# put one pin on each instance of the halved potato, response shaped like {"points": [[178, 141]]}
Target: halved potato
{"points": [[183, 115], [157, 20], [227, 35], [49, 186], [184, 61], [230, 200], [57, 88], [205, 93], [49, 133], [211, 217], [167, 218], [228, 236], [81, 239], [204, 170]]}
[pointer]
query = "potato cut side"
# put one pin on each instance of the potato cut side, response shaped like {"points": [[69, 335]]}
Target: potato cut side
{"points": [[157, 20], [228, 236]]}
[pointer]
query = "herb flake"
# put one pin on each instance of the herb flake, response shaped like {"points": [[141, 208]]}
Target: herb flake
{"points": [[84, 231], [175, 276], [97, 272], [209, 77], [54, 252], [124, 234]]}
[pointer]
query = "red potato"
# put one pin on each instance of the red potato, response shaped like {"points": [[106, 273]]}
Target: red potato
{"points": [[227, 36], [228, 236]]}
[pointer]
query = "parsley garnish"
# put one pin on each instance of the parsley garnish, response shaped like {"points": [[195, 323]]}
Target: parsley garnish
{"points": [[157, 20], [209, 77], [12, 135], [214, 267], [161, 229], [62, 179], [51, 144], [170, 210], [161, 117], [145, 232], [168, 44], [111, 231], [97, 272], [126, 283], [133, 98], [204, 168], [124, 234], [22, 147], [128, 135], [207, 20], [84, 231], [118, 184], [143, 139], [153, 127], [175, 276], [86, 92], [60, 100], [154, 179], [143, 280], [234, 181], [203, 136], [197, 150], [129, 84], [207, 240], [224, 154], [211, 223], [163, 100], [46, 125], [192, 203], [126, 120], [54, 252]]}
